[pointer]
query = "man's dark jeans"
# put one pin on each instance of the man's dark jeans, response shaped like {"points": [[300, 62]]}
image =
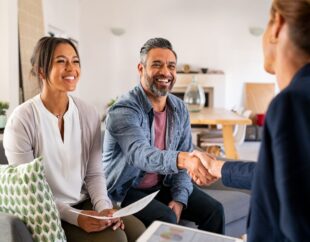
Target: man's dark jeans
{"points": [[202, 209]]}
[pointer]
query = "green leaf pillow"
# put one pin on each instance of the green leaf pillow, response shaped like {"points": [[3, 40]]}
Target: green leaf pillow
{"points": [[25, 193]]}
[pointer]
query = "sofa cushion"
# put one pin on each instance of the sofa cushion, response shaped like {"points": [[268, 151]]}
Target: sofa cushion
{"points": [[236, 204], [25, 193]]}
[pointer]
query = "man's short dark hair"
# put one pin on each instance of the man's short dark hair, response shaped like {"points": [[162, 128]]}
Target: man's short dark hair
{"points": [[152, 44]]}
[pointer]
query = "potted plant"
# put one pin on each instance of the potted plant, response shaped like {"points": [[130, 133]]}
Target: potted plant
{"points": [[4, 106], [109, 104]]}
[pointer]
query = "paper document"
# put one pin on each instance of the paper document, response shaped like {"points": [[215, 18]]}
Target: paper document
{"points": [[130, 209]]}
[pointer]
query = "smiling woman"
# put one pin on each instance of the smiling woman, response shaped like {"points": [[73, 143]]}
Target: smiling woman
{"points": [[65, 131]]}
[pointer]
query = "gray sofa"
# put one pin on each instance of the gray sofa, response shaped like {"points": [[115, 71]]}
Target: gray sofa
{"points": [[236, 207], [235, 202]]}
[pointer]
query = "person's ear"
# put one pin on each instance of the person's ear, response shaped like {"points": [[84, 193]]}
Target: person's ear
{"points": [[140, 68], [277, 26], [41, 74]]}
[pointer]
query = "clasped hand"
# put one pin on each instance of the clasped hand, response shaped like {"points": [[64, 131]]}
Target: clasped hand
{"points": [[201, 168], [90, 224]]}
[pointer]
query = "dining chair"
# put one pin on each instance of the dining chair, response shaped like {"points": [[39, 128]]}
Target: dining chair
{"points": [[239, 135]]}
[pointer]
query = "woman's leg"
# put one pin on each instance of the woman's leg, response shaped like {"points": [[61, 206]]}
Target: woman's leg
{"points": [[133, 228], [76, 234]]}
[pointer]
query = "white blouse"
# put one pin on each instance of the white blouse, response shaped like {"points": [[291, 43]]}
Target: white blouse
{"points": [[62, 159]]}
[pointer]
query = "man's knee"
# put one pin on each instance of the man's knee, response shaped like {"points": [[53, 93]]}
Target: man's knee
{"points": [[219, 209], [168, 216]]}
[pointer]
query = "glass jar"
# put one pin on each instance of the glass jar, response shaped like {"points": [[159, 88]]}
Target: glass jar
{"points": [[194, 96]]}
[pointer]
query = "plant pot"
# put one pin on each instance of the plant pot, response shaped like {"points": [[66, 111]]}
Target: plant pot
{"points": [[2, 121]]}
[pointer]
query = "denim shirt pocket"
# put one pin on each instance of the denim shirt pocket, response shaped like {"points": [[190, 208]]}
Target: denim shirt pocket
{"points": [[174, 138]]}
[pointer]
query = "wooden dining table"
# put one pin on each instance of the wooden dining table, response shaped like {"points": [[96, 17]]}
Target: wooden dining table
{"points": [[224, 117]]}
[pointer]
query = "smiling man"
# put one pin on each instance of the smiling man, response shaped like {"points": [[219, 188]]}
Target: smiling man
{"points": [[147, 144]]}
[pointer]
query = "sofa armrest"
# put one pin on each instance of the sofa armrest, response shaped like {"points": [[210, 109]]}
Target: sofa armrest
{"points": [[3, 159], [13, 229]]}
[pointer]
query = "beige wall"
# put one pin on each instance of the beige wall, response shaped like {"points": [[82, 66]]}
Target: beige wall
{"points": [[30, 22]]}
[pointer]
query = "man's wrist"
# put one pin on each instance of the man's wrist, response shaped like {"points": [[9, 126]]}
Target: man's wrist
{"points": [[181, 160]]}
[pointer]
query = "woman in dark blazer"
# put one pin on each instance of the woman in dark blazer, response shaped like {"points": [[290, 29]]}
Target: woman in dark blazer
{"points": [[279, 203]]}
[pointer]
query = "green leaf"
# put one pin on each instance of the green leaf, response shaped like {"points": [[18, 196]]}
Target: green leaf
{"points": [[53, 226], [17, 190], [40, 198], [14, 179], [33, 188], [31, 219], [29, 169], [17, 199], [17, 210], [40, 186], [36, 238], [39, 209], [47, 218], [54, 216], [32, 210], [25, 211], [6, 190], [12, 201], [44, 238], [6, 200], [59, 236], [26, 179], [32, 199], [47, 196], [34, 177], [52, 237], [25, 219], [25, 190], [38, 229], [47, 207], [12, 190], [25, 201], [39, 219], [46, 228]]}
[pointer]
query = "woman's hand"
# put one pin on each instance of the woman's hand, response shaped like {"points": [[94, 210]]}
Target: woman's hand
{"points": [[92, 224], [117, 222]]}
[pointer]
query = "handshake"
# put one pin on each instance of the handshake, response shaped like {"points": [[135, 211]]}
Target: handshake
{"points": [[202, 167]]}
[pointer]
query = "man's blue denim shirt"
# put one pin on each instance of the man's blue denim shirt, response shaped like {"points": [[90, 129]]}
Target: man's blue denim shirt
{"points": [[129, 151]]}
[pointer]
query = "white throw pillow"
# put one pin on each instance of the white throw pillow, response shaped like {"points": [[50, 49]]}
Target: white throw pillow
{"points": [[24, 192]]}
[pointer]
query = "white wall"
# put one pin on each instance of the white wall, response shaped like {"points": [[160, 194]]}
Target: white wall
{"points": [[62, 16], [205, 33], [9, 81]]}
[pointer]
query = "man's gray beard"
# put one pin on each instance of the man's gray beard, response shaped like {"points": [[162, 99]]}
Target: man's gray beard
{"points": [[158, 92], [154, 90]]}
